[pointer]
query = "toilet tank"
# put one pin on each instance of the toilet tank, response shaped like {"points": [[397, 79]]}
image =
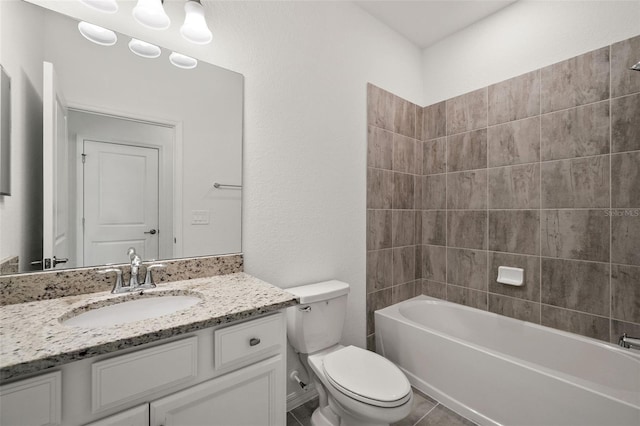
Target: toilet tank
{"points": [[316, 323]]}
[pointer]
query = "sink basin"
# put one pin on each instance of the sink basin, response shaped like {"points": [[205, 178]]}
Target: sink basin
{"points": [[133, 310]]}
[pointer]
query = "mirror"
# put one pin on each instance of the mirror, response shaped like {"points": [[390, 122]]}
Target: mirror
{"points": [[132, 149]]}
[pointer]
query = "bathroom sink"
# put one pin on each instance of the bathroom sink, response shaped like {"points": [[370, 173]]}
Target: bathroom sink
{"points": [[130, 311]]}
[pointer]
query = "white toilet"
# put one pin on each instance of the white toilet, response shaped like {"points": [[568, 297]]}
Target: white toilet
{"points": [[356, 386]]}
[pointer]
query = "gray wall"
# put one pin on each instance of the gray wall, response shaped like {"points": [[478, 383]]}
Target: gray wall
{"points": [[541, 171]]}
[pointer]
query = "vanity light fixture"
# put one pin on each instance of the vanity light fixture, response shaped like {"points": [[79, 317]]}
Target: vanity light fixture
{"points": [[96, 34], [151, 14], [106, 6], [144, 49], [195, 27], [183, 61]]}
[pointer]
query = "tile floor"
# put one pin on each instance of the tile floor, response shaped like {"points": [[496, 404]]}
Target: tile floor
{"points": [[426, 412]]}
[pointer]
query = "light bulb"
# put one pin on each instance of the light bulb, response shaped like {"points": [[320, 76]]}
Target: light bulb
{"points": [[151, 14], [144, 49], [106, 6], [96, 34], [195, 27], [183, 61]]}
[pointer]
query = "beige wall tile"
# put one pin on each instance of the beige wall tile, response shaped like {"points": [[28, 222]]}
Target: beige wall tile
{"points": [[576, 183], [467, 112], [514, 99], [516, 142], [577, 81]]}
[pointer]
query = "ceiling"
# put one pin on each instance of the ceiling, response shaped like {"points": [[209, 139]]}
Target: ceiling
{"points": [[424, 22]]}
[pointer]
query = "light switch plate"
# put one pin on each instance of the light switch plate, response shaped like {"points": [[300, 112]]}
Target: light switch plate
{"points": [[199, 217]]}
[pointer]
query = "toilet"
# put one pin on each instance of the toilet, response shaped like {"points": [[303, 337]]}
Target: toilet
{"points": [[356, 386]]}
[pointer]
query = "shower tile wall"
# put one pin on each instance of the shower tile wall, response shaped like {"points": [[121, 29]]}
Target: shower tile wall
{"points": [[394, 179], [540, 172]]}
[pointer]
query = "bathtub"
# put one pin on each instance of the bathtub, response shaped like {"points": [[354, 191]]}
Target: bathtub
{"points": [[497, 370]]}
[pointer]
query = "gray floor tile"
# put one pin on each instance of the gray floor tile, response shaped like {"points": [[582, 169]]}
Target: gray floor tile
{"points": [[303, 413], [422, 404], [426, 411], [442, 416], [291, 421]]}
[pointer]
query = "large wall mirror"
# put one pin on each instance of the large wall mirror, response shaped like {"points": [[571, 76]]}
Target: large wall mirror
{"points": [[111, 150]]}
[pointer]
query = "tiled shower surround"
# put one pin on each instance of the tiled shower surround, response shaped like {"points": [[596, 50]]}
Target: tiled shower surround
{"points": [[540, 172]]}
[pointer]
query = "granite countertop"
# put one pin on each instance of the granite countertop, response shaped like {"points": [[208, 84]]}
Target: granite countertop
{"points": [[32, 338]]}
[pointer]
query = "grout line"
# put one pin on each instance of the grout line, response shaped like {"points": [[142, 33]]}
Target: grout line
{"points": [[573, 310], [427, 413], [610, 301], [446, 205], [615, 98], [295, 418], [540, 197], [604, 209], [568, 108], [517, 120], [486, 278], [582, 157], [541, 114]]}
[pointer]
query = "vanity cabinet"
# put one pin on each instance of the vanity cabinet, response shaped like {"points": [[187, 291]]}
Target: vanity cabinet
{"points": [[233, 374], [245, 397]]}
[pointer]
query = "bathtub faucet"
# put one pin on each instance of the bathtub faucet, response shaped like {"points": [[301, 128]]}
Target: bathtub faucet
{"points": [[629, 342]]}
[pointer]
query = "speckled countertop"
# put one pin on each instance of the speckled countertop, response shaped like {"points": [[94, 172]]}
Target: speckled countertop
{"points": [[32, 337]]}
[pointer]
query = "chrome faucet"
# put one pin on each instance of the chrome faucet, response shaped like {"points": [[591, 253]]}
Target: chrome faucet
{"points": [[118, 287], [629, 342], [136, 261], [134, 282], [148, 279]]}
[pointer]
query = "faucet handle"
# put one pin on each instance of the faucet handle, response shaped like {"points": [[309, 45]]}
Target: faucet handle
{"points": [[148, 279], [117, 287]]}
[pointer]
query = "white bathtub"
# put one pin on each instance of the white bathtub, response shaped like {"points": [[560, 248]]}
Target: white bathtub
{"points": [[496, 370]]}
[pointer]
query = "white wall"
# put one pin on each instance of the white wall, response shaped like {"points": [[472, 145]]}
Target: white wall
{"points": [[20, 54], [306, 66], [523, 37]]}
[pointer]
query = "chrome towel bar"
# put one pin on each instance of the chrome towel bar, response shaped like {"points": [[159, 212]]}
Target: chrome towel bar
{"points": [[224, 185]]}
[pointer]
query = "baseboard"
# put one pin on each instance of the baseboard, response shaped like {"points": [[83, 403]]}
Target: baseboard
{"points": [[300, 397]]}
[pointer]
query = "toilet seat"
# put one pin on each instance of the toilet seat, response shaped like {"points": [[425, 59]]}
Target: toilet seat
{"points": [[366, 377]]}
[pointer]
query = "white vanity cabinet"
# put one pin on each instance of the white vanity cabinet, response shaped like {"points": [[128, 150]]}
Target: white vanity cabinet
{"points": [[249, 396], [233, 374]]}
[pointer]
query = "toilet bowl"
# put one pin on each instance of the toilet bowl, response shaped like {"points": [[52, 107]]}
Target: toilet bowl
{"points": [[356, 387], [365, 388]]}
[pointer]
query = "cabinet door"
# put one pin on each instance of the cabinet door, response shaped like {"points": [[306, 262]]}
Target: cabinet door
{"points": [[137, 416], [32, 402], [251, 396]]}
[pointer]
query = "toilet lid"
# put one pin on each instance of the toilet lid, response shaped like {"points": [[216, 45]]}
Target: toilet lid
{"points": [[367, 377]]}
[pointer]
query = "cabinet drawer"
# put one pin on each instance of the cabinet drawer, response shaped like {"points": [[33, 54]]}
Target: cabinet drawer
{"points": [[137, 416], [249, 341], [123, 379], [32, 402]]}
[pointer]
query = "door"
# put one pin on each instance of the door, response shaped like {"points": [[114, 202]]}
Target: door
{"points": [[55, 232], [120, 202], [251, 396]]}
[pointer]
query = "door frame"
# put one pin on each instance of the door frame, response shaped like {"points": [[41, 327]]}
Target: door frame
{"points": [[169, 182], [51, 92]]}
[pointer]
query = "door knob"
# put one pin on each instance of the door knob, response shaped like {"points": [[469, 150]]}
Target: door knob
{"points": [[46, 263], [61, 260], [152, 232]]}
